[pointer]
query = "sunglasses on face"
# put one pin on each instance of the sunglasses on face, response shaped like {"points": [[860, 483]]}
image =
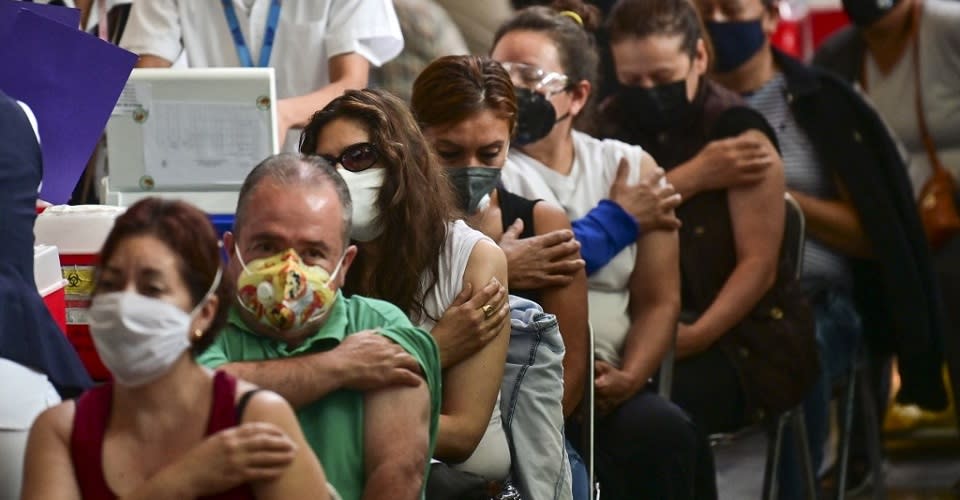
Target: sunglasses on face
{"points": [[355, 157]]}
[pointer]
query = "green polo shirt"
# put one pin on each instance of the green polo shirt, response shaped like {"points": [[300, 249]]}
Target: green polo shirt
{"points": [[333, 425]]}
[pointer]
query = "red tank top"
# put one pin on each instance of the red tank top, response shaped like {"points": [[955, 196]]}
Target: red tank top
{"points": [[90, 425]]}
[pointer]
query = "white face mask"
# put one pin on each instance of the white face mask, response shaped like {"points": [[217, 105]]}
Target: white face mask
{"points": [[139, 338], [364, 189]]}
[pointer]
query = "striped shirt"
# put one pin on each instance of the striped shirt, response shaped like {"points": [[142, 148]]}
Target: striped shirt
{"points": [[823, 267]]}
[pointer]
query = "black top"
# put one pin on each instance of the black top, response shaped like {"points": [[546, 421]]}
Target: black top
{"points": [[773, 347], [895, 291], [513, 207]]}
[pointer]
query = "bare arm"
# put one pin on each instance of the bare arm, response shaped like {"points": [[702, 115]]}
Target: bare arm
{"points": [[48, 469], [835, 223], [569, 304], [347, 71], [301, 380], [654, 302], [470, 388], [757, 216], [396, 442], [304, 477], [363, 361], [726, 163], [464, 328], [152, 61]]}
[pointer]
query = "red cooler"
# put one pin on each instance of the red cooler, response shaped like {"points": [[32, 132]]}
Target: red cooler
{"points": [[79, 232], [50, 282]]}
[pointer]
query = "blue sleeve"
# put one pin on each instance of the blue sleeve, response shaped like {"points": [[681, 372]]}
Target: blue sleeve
{"points": [[603, 233]]}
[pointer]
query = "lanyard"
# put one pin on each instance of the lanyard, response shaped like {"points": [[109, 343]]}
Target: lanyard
{"points": [[243, 52]]}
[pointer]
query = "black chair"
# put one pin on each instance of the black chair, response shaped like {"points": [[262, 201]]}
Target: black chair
{"points": [[858, 386]]}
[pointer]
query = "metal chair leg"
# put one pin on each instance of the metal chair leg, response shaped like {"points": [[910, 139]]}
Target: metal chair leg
{"points": [[845, 432], [803, 448], [872, 428], [774, 449]]}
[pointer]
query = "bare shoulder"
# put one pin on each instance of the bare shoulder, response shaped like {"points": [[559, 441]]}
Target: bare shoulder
{"points": [[486, 252], [648, 165], [57, 420], [548, 217], [265, 406]]}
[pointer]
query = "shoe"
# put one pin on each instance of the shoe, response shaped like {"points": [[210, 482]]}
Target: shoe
{"points": [[904, 418]]}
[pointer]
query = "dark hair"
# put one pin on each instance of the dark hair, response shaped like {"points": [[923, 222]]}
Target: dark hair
{"points": [[573, 37], [644, 18], [453, 88], [295, 169], [188, 233], [416, 202]]}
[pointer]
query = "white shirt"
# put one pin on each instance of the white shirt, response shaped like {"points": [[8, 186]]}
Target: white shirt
{"points": [[309, 33], [893, 94], [594, 170], [24, 394], [491, 459]]}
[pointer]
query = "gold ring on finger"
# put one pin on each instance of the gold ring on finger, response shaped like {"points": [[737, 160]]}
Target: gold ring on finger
{"points": [[488, 310]]}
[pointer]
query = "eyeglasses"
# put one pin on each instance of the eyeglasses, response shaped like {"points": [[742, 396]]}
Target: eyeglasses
{"points": [[356, 157], [536, 78]]}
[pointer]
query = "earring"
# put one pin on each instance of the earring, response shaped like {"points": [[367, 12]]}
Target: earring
{"points": [[197, 334]]}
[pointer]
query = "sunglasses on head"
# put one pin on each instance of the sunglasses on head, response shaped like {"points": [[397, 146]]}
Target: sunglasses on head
{"points": [[355, 157]]}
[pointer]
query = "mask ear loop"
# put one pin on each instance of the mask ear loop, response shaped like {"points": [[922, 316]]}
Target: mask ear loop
{"points": [[236, 250], [210, 291], [336, 269]]}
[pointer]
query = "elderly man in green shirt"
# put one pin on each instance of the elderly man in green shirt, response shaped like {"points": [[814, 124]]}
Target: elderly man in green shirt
{"points": [[365, 381]]}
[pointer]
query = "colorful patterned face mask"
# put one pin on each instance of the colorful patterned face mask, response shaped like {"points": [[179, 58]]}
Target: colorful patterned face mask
{"points": [[284, 293]]}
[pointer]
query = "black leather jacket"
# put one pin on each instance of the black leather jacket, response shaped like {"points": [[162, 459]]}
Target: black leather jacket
{"points": [[895, 291]]}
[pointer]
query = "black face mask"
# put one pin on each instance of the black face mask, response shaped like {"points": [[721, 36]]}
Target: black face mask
{"points": [[863, 13], [537, 116], [658, 108], [472, 184]]}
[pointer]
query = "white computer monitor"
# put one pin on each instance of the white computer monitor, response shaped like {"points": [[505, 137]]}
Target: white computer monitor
{"points": [[192, 134]]}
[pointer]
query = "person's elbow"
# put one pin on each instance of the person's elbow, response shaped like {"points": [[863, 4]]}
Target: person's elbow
{"points": [[354, 77], [407, 467], [764, 269], [461, 445], [353, 81], [396, 442], [667, 300]]}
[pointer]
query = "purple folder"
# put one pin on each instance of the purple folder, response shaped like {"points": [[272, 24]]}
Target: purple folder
{"points": [[71, 80], [63, 15]]}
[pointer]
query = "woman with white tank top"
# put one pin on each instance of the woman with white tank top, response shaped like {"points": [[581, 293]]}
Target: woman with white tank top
{"points": [[417, 255]]}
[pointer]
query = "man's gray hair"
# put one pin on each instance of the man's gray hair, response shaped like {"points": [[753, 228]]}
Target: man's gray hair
{"points": [[295, 169]]}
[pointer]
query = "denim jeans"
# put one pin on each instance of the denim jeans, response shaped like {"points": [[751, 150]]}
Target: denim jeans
{"points": [[531, 398], [578, 469], [838, 334]]}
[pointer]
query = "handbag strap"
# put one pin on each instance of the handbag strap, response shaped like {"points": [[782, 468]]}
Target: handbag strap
{"points": [[918, 94], [925, 136]]}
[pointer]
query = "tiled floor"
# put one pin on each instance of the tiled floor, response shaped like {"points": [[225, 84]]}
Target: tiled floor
{"points": [[925, 467]]}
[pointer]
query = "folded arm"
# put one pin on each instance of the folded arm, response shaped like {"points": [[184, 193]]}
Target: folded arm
{"points": [[365, 360], [304, 476], [301, 380], [347, 71], [396, 442], [470, 388], [836, 223], [757, 217], [569, 304]]}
